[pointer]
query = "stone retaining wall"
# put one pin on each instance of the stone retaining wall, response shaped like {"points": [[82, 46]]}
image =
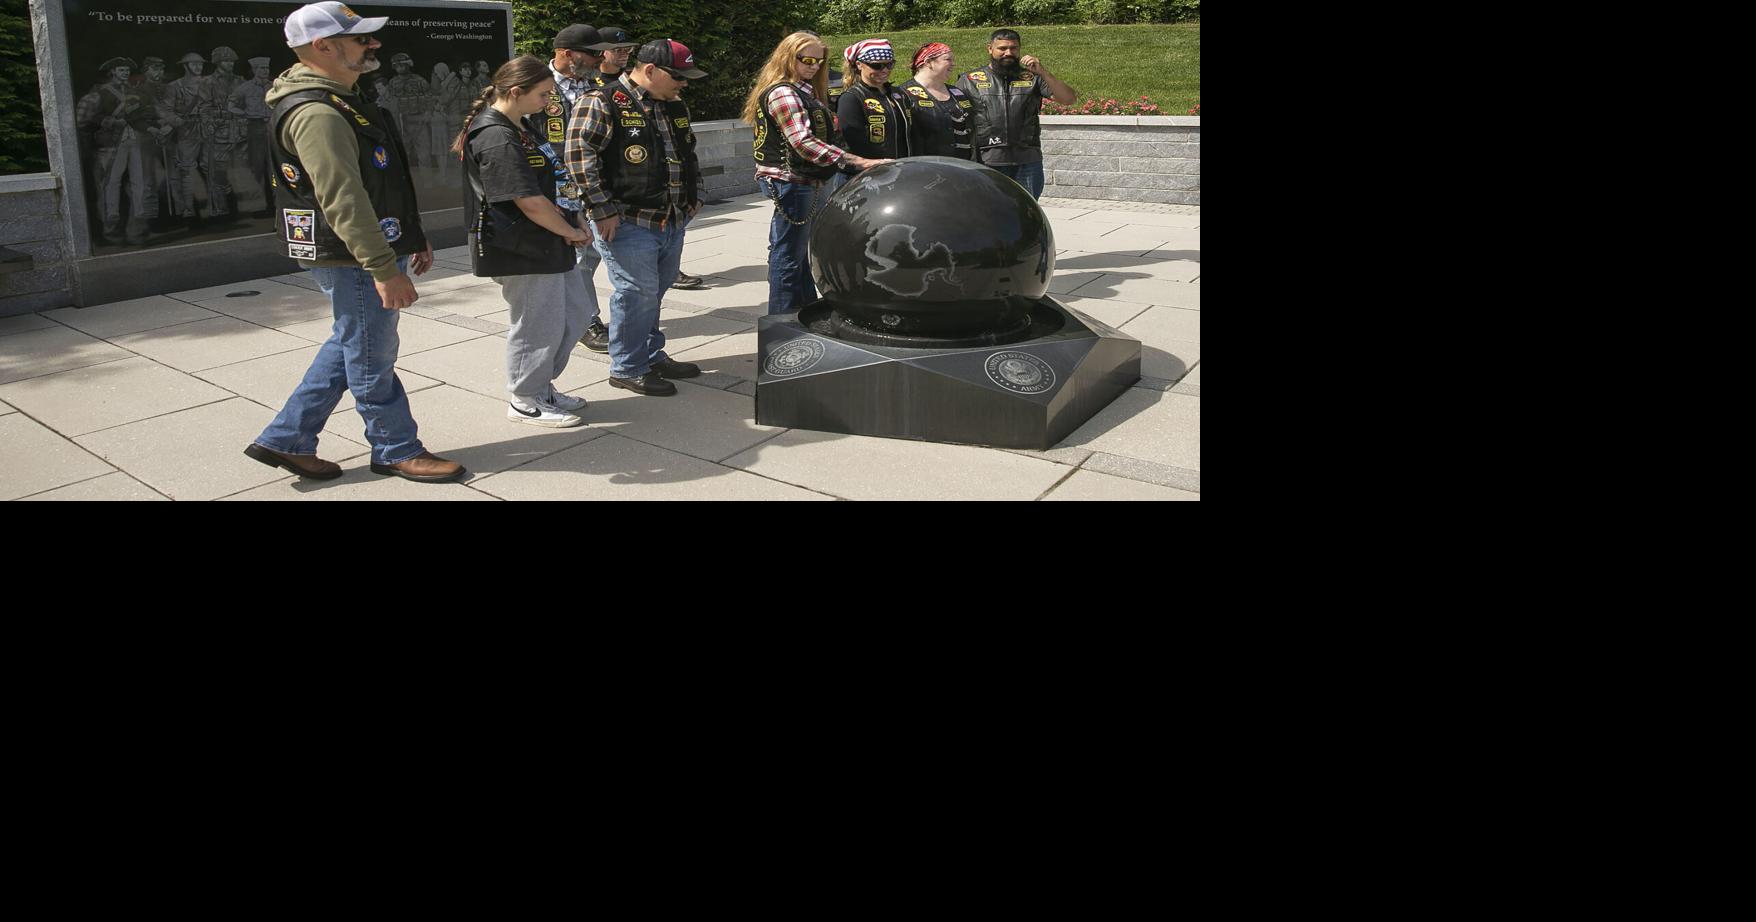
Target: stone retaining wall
{"points": [[30, 222], [1123, 158], [723, 149]]}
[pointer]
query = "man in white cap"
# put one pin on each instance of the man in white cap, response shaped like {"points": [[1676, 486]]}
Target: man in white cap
{"points": [[346, 209]]}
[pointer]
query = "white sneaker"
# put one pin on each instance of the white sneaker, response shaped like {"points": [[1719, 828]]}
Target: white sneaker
{"points": [[565, 402], [540, 414]]}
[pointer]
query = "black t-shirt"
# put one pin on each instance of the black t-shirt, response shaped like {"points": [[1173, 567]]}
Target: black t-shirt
{"points": [[501, 155]]}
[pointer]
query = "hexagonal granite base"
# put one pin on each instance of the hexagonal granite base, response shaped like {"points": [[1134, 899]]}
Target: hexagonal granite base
{"points": [[1027, 394]]}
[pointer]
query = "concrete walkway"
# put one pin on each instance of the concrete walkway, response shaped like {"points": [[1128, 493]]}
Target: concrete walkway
{"points": [[156, 398]]}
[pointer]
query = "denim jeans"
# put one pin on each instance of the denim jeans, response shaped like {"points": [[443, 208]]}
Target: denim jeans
{"points": [[789, 247], [588, 266], [1028, 175], [641, 264], [359, 356]]}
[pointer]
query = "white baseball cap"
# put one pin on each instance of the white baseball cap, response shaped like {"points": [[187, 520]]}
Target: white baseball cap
{"points": [[322, 20]]}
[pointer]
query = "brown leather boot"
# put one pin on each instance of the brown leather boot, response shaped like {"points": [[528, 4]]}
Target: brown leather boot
{"points": [[304, 465], [425, 467]]}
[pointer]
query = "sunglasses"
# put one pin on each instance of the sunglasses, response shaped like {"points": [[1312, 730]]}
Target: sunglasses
{"points": [[809, 61], [362, 39], [883, 66], [675, 75]]}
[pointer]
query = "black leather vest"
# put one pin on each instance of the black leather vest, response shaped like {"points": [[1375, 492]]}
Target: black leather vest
{"points": [[634, 170], [939, 129], [307, 233], [1006, 113], [529, 248], [771, 147], [880, 130]]}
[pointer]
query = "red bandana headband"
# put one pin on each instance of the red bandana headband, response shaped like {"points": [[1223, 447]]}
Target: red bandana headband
{"points": [[929, 53]]}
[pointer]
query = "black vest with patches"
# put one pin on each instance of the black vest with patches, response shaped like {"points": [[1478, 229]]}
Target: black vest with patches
{"points": [[939, 129], [551, 123], [1006, 115], [634, 170], [771, 147], [880, 131], [390, 189]]}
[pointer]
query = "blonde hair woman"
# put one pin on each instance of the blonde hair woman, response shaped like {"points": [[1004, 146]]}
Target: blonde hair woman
{"points": [[794, 157]]}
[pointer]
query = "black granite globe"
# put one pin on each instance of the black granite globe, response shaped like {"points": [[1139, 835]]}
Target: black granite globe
{"points": [[932, 247]]}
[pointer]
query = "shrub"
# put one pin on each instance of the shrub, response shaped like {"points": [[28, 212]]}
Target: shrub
{"points": [[22, 148], [1141, 106]]}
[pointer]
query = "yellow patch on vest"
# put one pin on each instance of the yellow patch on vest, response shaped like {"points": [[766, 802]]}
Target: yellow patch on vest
{"points": [[635, 154]]}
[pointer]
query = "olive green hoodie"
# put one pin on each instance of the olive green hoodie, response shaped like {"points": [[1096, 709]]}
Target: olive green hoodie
{"points": [[326, 144]]}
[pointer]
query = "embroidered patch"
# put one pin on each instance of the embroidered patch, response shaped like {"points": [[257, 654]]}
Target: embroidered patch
{"points": [[290, 172], [1024, 83], [381, 157], [635, 154], [392, 229], [525, 139], [536, 161], [557, 130], [680, 122], [979, 76], [918, 91], [874, 105], [875, 133], [633, 122], [634, 132], [341, 102], [297, 224], [302, 250], [875, 119], [963, 104], [553, 109], [361, 119], [620, 98]]}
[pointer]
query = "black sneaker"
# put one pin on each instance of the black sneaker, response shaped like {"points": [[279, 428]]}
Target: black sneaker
{"points": [[669, 369], [649, 385], [596, 338], [687, 282]]}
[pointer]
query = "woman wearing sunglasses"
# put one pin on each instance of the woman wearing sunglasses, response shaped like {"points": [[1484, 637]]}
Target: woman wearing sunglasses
{"points": [[874, 115], [794, 156], [940, 127]]}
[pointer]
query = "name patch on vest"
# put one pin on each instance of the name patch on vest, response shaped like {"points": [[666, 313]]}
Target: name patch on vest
{"points": [[1024, 83], [392, 229], [298, 223], [633, 123], [302, 250], [381, 157], [635, 154]]}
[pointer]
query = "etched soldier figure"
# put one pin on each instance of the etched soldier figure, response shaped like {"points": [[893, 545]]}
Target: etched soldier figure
{"points": [[414, 109], [116, 117], [449, 107], [189, 103], [221, 131], [156, 143], [483, 77], [246, 102]]}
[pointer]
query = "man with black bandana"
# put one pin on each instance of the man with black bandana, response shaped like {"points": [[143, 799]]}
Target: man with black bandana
{"points": [[1008, 96]]}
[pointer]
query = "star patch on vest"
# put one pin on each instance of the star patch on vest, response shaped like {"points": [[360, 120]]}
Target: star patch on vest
{"points": [[874, 105], [381, 157], [290, 172], [392, 229], [635, 154]]}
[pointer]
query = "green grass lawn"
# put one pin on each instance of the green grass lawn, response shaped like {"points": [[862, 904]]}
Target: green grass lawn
{"points": [[1159, 61]]}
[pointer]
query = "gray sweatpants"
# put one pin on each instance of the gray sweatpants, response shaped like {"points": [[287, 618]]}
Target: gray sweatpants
{"points": [[549, 314]]}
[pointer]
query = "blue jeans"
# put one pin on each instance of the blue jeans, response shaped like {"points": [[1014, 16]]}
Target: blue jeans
{"points": [[789, 247], [359, 356], [588, 266], [642, 264], [1028, 175]]}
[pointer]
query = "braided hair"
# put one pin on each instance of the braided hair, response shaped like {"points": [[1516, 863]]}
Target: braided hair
{"points": [[520, 73]]}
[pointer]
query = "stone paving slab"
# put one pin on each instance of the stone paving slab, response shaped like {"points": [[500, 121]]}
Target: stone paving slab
{"points": [[33, 458], [6, 408], [615, 468], [270, 380], [100, 396], [862, 467], [473, 430], [1194, 376], [208, 344], [729, 357], [1113, 216], [1091, 485], [730, 266], [1170, 341], [48, 351], [1161, 427], [1141, 289], [199, 453], [357, 482], [266, 286], [24, 324], [473, 301], [279, 306], [122, 317], [107, 488], [699, 421]]}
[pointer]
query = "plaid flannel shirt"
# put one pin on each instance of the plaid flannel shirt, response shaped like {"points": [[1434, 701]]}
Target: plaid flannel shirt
{"points": [[588, 134], [789, 113]]}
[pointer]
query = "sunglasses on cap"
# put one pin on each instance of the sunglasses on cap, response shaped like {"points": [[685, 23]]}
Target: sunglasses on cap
{"points": [[809, 61]]}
